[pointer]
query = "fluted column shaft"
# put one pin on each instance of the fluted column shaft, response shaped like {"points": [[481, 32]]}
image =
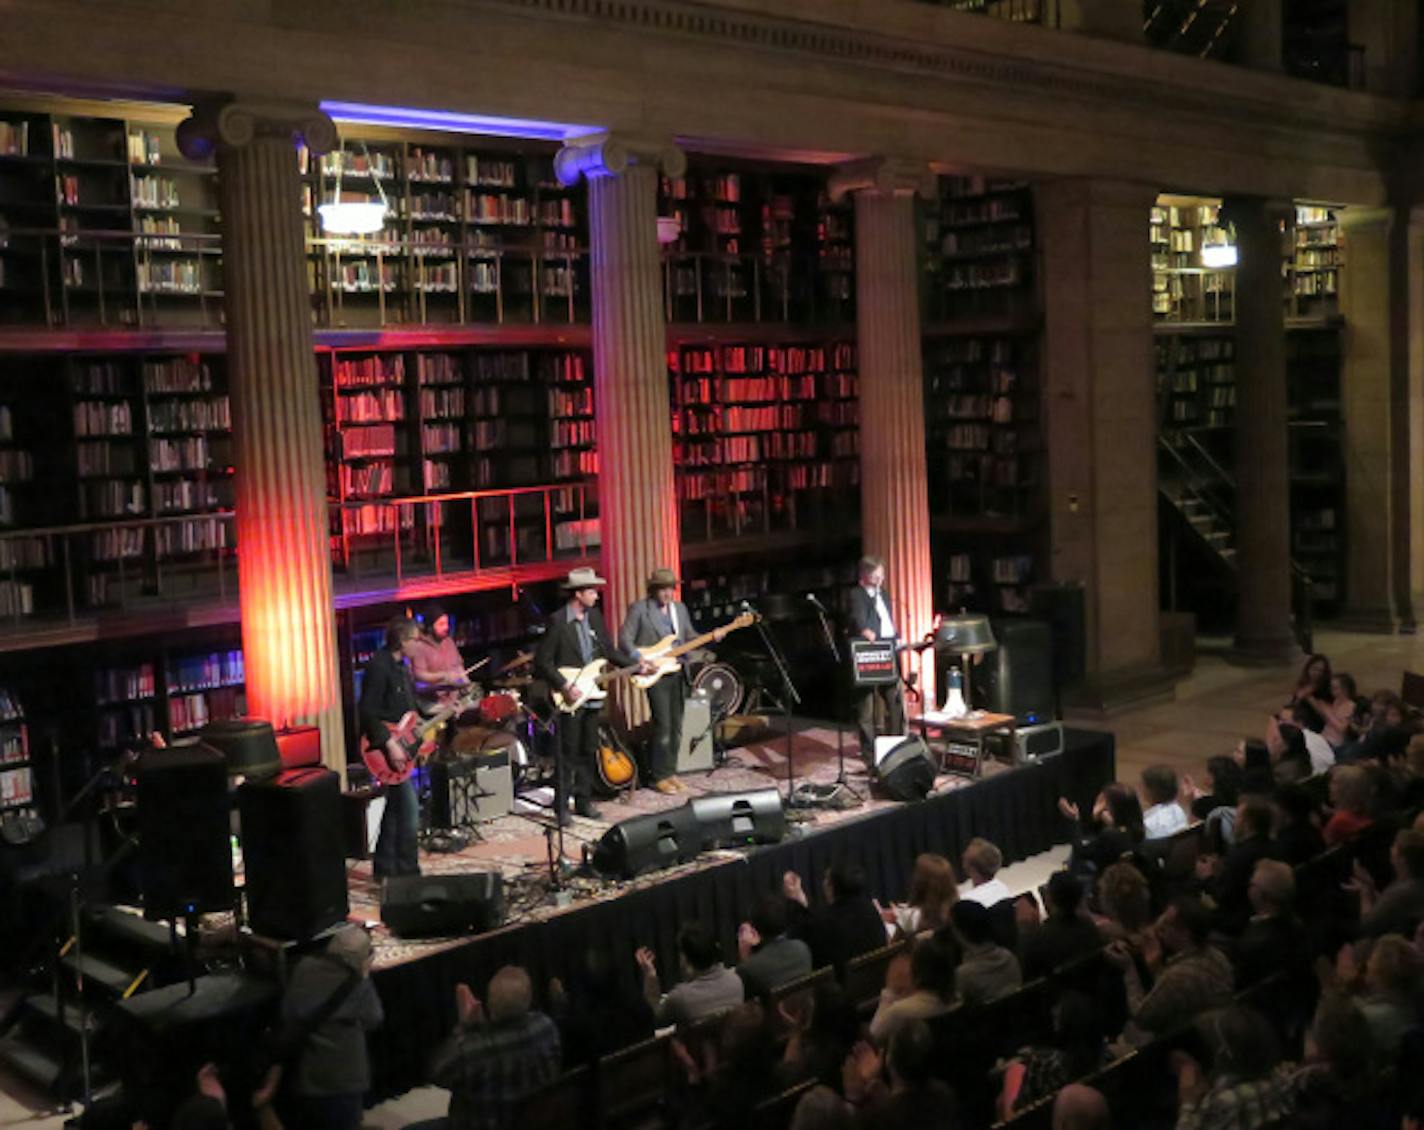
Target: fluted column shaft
{"points": [[637, 498], [284, 564], [894, 493], [1264, 582]]}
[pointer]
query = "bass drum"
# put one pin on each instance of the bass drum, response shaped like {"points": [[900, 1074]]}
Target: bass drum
{"points": [[722, 686]]}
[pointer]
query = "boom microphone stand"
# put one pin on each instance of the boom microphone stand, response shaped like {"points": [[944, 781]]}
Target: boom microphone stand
{"points": [[788, 689], [835, 651]]}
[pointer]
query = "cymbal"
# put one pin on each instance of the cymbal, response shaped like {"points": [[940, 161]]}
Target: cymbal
{"points": [[522, 659]]}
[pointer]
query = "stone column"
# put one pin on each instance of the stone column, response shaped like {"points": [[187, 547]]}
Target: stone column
{"points": [[894, 492], [1264, 584], [1261, 36], [1406, 394], [284, 564], [637, 498], [1365, 394], [1100, 424]]}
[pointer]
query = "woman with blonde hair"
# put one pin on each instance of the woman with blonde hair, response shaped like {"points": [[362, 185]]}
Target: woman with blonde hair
{"points": [[934, 889]]}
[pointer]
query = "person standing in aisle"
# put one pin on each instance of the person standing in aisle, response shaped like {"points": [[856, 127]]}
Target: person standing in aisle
{"points": [[575, 636], [387, 695], [871, 618], [656, 616]]}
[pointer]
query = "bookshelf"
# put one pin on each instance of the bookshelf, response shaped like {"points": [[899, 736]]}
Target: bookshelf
{"points": [[1196, 382], [1313, 257], [757, 244], [1184, 289], [1317, 462], [765, 437], [980, 253], [16, 771], [203, 687]]}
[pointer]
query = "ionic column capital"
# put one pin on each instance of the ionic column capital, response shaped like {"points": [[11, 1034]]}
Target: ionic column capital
{"points": [[890, 176], [234, 123], [612, 154]]}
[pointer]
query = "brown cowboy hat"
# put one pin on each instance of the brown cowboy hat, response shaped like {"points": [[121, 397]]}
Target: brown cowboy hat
{"points": [[583, 578], [663, 579]]}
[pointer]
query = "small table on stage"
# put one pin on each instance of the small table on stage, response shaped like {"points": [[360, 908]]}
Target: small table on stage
{"points": [[962, 739]]}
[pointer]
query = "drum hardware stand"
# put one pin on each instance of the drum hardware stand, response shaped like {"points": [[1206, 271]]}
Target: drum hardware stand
{"points": [[835, 651], [791, 696]]}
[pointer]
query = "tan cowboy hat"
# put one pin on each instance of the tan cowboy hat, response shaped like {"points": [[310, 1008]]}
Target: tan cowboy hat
{"points": [[583, 579], [662, 579]]}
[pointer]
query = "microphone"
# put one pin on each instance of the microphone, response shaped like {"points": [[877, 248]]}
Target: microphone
{"points": [[813, 600]]}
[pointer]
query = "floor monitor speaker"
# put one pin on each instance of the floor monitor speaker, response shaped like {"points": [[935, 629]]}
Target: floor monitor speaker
{"points": [[647, 843], [739, 819], [907, 772], [418, 906]]}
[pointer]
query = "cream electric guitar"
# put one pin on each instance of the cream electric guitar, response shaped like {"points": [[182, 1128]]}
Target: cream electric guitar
{"points": [[592, 680]]}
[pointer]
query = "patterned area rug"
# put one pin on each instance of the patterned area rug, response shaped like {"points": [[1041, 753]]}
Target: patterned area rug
{"points": [[518, 847]]}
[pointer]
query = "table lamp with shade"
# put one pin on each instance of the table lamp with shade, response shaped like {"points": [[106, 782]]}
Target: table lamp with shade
{"points": [[966, 634]]}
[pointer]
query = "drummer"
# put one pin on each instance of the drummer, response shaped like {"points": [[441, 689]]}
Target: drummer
{"points": [[435, 661]]}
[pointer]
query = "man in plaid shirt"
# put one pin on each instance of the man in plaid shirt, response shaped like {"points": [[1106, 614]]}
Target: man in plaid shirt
{"points": [[490, 1062]]}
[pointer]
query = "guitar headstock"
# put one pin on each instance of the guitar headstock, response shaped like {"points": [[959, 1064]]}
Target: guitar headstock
{"points": [[745, 620]]}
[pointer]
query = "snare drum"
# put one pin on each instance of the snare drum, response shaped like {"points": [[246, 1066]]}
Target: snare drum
{"points": [[498, 708]]}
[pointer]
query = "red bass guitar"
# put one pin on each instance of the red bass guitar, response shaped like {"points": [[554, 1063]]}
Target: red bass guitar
{"points": [[416, 736]]}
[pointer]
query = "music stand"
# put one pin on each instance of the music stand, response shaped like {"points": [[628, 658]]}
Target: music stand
{"points": [[788, 689], [835, 651]]}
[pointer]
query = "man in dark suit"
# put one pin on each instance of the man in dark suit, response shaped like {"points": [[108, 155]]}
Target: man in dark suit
{"points": [[871, 618], [647, 621], [387, 695], [575, 637]]}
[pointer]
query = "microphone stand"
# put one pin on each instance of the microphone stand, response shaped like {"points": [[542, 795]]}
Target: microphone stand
{"points": [[788, 688], [835, 651]]}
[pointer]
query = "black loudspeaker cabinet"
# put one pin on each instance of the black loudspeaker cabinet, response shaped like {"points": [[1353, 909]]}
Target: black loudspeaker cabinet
{"points": [[1017, 678], [647, 843], [418, 906], [907, 772], [739, 819], [292, 849], [1063, 607], [184, 825]]}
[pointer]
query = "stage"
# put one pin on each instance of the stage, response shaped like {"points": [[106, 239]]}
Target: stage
{"points": [[1016, 808]]}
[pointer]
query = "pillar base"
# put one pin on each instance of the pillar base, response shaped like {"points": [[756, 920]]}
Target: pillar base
{"points": [[1272, 651], [1371, 621], [1116, 691]]}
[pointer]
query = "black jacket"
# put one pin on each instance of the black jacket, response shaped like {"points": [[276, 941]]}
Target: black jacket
{"points": [[862, 612], [838, 931], [560, 647], [1055, 943], [387, 694]]}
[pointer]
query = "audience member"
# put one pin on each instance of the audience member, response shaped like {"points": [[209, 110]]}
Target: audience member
{"points": [[1065, 934], [1297, 838], [1077, 1050], [845, 925], [1228, 878], [744, 1071], [493, 1059], [1351, 796], [1115, 830], [1125, 899], [915, 1099], [1246, 1088], [1399, 908], [769, 959], [933, 964], [1191, 975], [707, 987], [1314, 680], [1386, 727], [1294, 741], [598, 1012], [329, 1006], [1079, 1107], [981, 863], [988, 970], [1225, 777], [1334, 1086], [934, 890], [1338, 710], [1385, 990], [1274, 937], [1162, 815]]}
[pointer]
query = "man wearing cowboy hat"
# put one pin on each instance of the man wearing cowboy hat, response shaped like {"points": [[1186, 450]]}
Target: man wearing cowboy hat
{"points": [[576, 635], [661, 614]]}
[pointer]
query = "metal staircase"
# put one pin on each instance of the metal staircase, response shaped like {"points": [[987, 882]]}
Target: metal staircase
{"points": [[1191, 27], [1201, 495]]}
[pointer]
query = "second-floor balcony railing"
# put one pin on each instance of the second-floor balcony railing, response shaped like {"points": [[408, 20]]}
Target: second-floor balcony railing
{"points": [[88, 570], [113, 279]]}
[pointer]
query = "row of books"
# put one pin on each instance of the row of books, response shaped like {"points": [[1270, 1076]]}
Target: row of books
{"points": [[155, 192], [94, 459], [204, 672], [385, 405], [11, 709], [194, 711], [214, 415], [16, 465], [24, 553], [967, 378], [127, 724], [103, 418], [440, 438], [565, 403], [14, 138], [368, 441], [372, 369], [986, 470], [123, 684], [376, 519], [170, 276], [191, 453], [572, 433], [179, 495], [115, 499], [14, 743], [366, 480], [762, 359], [996, 409], [16, 788]]}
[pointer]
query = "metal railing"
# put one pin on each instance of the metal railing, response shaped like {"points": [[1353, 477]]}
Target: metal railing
{"points": [[83, 570], [1044, 12], [706, 287], [750, 502]]}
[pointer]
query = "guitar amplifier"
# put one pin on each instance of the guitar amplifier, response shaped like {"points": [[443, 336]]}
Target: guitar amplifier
{"points": [[694, 746], [960, 757], [872, 663], [1029, 743], [471, 789]]}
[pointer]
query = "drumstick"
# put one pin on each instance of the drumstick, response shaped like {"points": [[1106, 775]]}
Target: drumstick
{"points": [[476, 666], [518, 661]]}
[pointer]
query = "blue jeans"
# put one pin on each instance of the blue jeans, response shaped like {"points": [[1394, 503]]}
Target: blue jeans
{"points": [[396, 852]]}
